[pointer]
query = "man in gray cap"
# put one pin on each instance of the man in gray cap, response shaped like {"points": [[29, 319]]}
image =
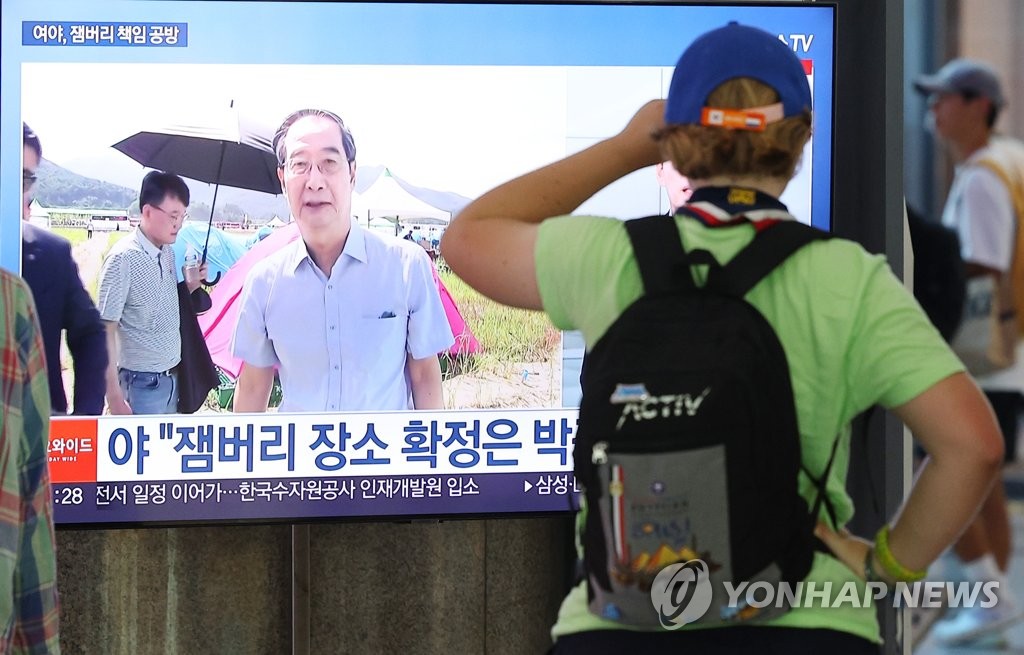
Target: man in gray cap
{"points": [[964, 100], [968, 78]]}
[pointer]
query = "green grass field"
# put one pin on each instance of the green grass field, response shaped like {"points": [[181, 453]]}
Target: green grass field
{"points": [[75, 235], [507, 335], [112, 238]]}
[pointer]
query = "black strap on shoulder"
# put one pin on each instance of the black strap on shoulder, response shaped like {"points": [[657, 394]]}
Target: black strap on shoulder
{"points": [[659, 254], [665, 265], [770, 247]]}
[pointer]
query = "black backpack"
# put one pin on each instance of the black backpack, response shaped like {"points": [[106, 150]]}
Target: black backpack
{"points": [[688, 448], [940, 276]]}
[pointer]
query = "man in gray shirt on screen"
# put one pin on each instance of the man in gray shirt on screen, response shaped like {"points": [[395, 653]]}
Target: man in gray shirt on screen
{"points": [[138, 302]]}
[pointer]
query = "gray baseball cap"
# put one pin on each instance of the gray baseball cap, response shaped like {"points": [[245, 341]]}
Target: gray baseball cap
{"points": [[963, 76]]}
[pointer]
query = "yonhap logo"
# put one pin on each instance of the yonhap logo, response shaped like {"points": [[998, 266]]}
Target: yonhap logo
{"points": [[681, 593]]}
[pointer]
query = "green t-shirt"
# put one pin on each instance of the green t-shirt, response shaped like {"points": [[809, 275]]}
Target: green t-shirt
{"points": [[853, 337]]}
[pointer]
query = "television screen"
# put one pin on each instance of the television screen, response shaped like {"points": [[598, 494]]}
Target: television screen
{"points": [[444, 101]]}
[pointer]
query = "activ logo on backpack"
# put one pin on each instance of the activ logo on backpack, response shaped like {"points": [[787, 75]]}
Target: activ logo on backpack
{"points": [[640, 405], [682, 593]]}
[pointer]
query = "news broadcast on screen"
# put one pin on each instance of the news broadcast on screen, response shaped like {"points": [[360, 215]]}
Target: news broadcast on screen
{"points": [[443, 101]]}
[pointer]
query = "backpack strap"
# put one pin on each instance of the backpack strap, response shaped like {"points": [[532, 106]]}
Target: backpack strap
{"points": [[820, 484], [665, 265], [663, 262], [1015, 187], [770, 247], [1016, 191]]}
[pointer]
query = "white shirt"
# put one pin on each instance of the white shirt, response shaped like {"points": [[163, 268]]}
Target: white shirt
{"points": [[980, 209], [340, 342]]}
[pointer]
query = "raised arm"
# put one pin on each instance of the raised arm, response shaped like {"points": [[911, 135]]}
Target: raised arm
{"points": [[490, 243]]}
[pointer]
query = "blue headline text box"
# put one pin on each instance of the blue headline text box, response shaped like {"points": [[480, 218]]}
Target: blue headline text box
{"points": [[90, 33]]}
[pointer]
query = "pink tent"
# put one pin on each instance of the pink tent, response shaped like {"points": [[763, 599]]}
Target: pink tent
{"points": [[219, 322], [465, 342]]}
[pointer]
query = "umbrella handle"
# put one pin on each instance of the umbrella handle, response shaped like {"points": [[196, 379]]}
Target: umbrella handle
{"points": [[215, 280]]}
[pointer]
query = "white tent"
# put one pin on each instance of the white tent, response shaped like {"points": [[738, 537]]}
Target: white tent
{"points": [[381, 224], [384, 198], [275, 222], [38, 214]]}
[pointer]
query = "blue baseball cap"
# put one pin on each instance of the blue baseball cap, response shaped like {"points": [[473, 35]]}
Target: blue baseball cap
{"points": [[725, 54]]}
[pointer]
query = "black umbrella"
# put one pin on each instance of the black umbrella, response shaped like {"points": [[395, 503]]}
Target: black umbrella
{"points": [[229, 149]]}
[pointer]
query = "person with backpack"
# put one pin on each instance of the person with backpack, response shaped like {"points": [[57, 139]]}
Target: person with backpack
{"points": [[985, 207], [940, 275], [729, 347]]}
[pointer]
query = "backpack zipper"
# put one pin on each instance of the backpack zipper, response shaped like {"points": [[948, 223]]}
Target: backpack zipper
{"points": [[662, 443]]}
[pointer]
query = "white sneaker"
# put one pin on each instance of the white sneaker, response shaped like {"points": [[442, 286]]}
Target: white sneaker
{"points": [[972, 623]]}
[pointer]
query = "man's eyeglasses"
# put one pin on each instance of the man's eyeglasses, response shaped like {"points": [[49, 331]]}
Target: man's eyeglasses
{"points": [[173, 217], [28, 180], [299, 167]]}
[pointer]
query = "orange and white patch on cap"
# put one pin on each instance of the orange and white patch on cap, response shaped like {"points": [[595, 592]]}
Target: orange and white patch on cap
{"points": [[754, 119]]}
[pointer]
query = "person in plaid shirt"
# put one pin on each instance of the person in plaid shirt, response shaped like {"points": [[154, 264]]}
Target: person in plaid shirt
{"points": [[28, 568]]}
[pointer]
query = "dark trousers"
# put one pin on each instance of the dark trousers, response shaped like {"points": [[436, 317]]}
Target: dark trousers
{"points": [[747, 640]]}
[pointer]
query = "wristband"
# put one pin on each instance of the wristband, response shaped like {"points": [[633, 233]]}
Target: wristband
{"points": [[893, 568]]}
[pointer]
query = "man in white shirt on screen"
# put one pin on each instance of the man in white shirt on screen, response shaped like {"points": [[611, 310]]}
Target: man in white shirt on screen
{"points": [[352, 320]]}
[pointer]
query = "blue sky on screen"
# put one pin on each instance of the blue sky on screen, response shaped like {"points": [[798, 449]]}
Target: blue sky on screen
{"points": [[451, 97]]}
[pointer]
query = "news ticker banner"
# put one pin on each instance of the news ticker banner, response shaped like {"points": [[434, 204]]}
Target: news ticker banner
{"points": [[237, 467]]}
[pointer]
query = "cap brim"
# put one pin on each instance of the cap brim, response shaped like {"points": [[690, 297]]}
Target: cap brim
{"points": [[931, 84]]}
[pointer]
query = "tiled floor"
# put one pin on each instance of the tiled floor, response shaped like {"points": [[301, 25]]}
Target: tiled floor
{"points": [[1015, 635]]}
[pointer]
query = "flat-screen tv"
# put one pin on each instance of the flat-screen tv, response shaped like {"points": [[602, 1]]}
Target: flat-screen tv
{"points": [[445, 100]]}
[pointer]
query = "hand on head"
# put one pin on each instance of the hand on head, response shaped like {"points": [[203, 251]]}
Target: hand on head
{"points": [[638, 135]]}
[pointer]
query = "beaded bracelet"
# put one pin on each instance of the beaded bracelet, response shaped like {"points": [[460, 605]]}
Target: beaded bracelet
{"points": [[893, 568]]}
